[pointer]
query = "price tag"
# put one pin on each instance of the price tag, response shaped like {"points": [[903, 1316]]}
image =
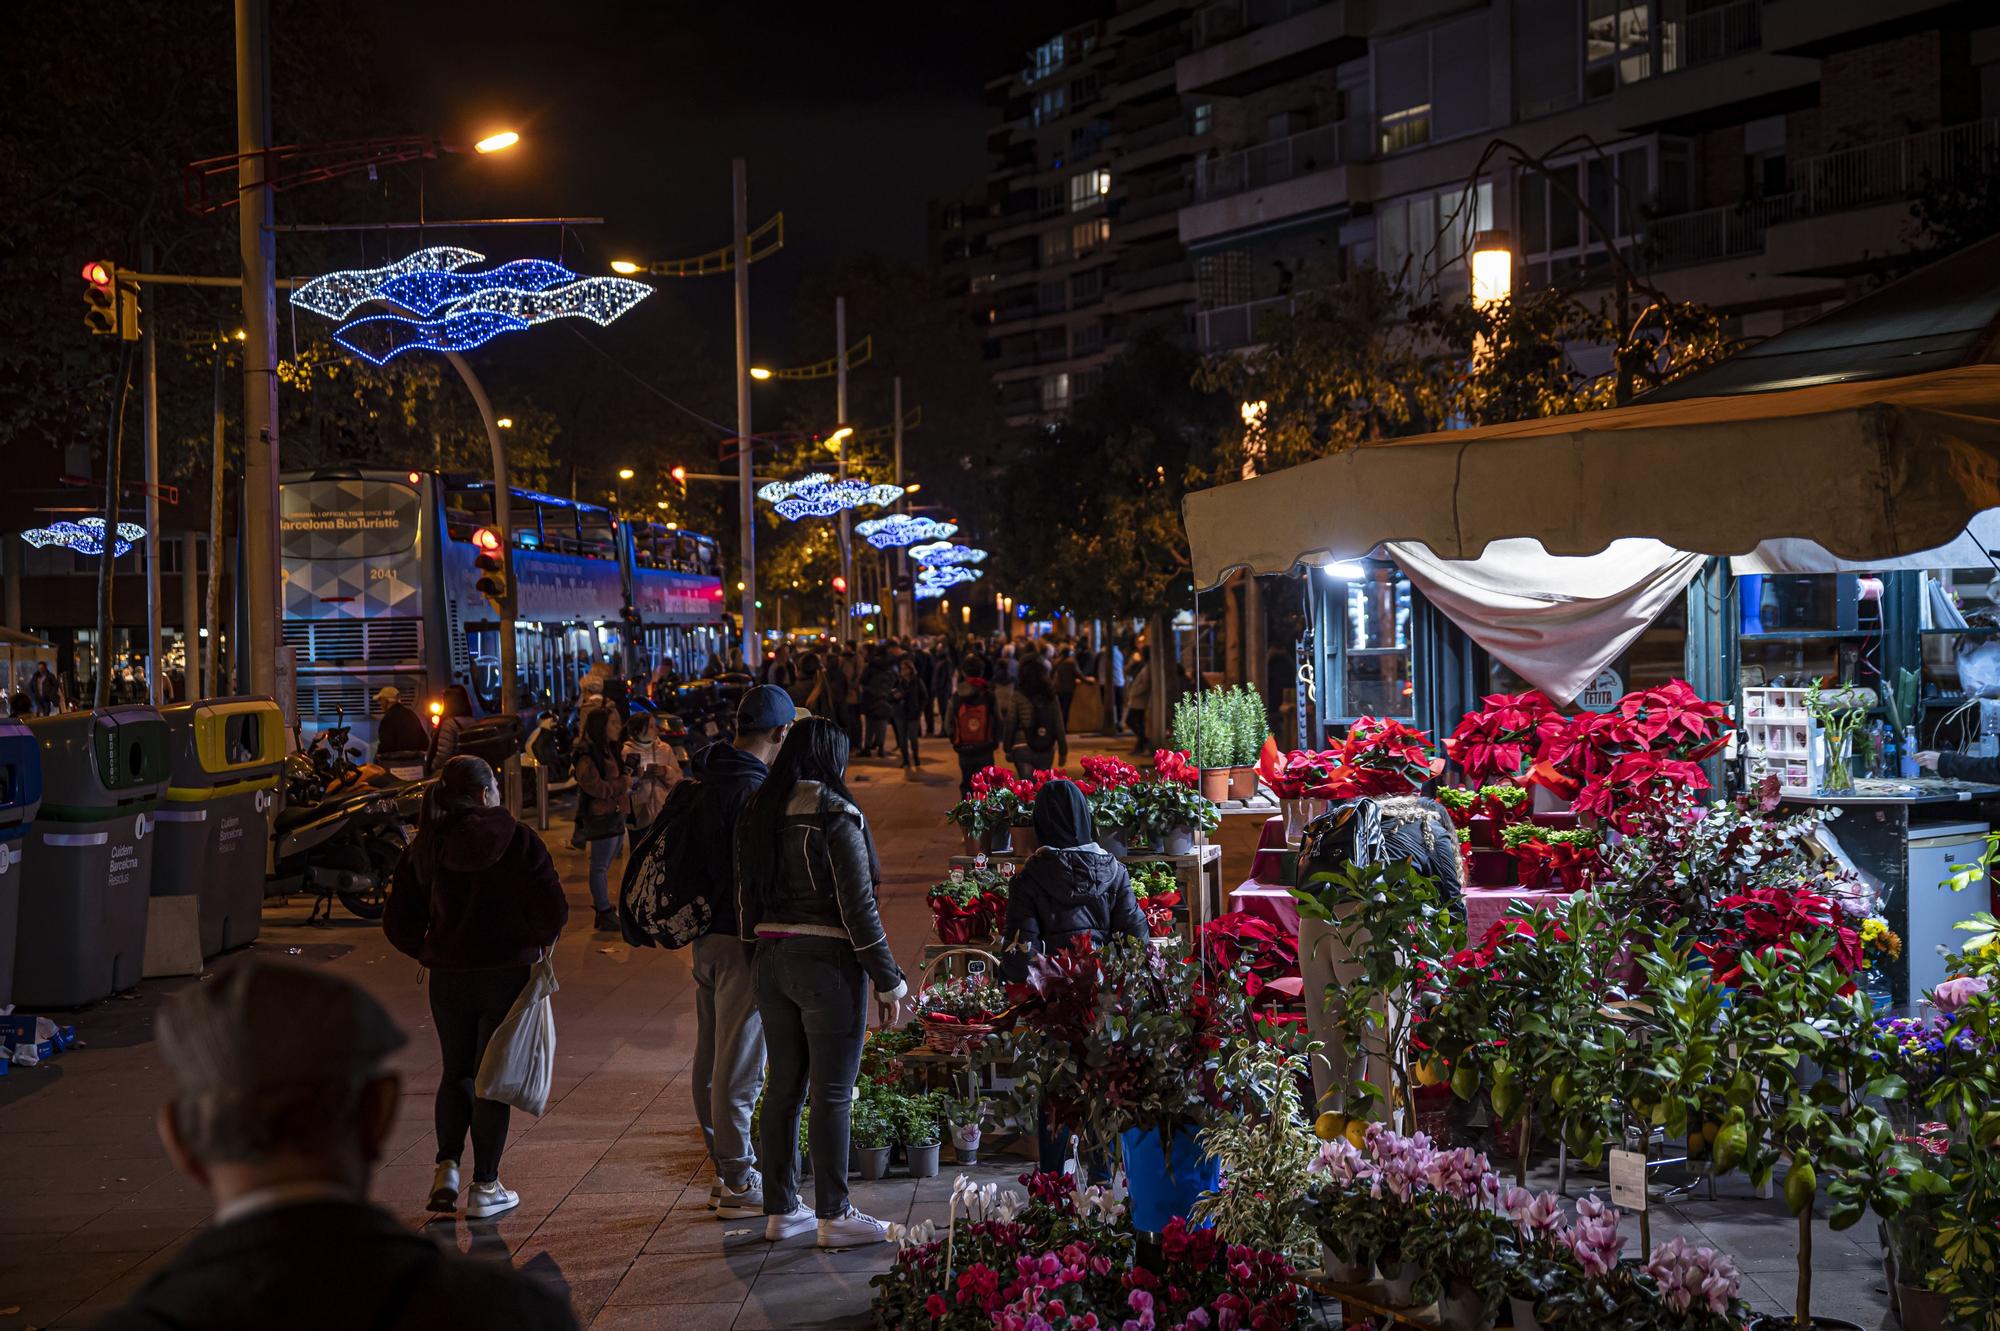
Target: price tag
{"points": [[1628, 1180]]}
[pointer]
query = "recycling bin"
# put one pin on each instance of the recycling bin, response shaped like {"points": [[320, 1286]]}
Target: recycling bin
{"points": [[224, 758], [87, 868], [20, 796]]}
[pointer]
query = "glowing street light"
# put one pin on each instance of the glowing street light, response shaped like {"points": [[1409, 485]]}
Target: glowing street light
{"points": [[494, 143], [624, 267], [505, 422], [760, 372], [626, 473], [1492, 268]]}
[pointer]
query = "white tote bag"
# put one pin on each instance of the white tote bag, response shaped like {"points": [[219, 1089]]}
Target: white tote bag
{"points": [[520, 1059]]}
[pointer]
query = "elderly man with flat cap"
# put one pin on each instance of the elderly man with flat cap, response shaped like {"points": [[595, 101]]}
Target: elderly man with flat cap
{"points": [[281, 1107]]}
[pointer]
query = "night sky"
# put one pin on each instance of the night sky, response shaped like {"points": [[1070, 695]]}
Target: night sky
{"points": [[851, 118]]}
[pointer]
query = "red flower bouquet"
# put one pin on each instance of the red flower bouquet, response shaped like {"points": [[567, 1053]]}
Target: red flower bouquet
{"points": [[1175, 765], [968, 906], [1501, 739], [1767, 922]]}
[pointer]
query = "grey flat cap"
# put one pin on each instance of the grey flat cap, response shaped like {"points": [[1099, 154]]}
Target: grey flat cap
{"points": [[264, 1024]]}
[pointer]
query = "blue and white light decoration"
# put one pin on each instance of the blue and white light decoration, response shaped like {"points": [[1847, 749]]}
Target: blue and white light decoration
{"points": [[85, 537], [453, 310], [929, 591], [819, 495], [900, 529], [943, 554], [863, 609], [949, 575]]}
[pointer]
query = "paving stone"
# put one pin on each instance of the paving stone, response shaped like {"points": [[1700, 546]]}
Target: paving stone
{"points": [[664, 1278]]}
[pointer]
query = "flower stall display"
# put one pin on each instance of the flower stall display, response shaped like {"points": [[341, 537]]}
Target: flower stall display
{"points": [[1223, 731], [968, 905], [1107, 785], [1169, 809], [1647, 749], [958, 1015], [1064, 1258], [1157, 889]]}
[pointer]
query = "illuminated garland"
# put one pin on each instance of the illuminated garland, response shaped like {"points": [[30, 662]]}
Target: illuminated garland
{"points": [[85, 537], [819, 495], [927, 591], [862, 609], [449, 310], [338, 295], [943, 554], [948, 576], [900, 529]]}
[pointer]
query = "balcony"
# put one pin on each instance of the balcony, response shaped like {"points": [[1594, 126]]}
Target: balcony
{"points": [[1712, 34], [1725, 74], [1233, 327], [1892, 171], [1226, 19], [1152, 205], [1269, 163], [1242, 46]]}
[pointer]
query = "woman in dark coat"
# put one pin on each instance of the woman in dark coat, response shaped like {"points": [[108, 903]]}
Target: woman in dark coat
{"points": [[1068, 890], [476, 899]]}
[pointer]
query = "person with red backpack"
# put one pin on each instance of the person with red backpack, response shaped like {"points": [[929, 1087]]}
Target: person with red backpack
{"points": [[973, 722]]}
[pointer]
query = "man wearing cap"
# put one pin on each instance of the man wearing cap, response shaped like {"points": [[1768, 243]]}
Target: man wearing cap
{"points": [[729, 1039], [400, 730], [281, 1107]]}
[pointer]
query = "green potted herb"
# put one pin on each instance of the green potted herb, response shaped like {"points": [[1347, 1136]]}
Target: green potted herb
{"points": [[871, 1132], [1249, 727], [917, 1130], [1204, 725]]}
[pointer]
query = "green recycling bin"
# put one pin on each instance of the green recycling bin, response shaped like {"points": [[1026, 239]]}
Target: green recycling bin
{"points": [[87, 869], [20, 796], [222, 788]]}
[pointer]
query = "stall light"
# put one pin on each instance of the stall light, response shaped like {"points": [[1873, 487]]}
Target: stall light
{"points": [[1492, 267], [1346, 571]]}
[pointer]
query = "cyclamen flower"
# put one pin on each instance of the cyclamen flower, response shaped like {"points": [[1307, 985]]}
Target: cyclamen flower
{"points": [[1340, 1161], [1951, 995], [1533, 1213], [1594, 1239]]}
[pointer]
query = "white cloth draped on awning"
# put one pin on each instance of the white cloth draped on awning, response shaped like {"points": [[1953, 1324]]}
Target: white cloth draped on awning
{"points": [[1554, 620]]}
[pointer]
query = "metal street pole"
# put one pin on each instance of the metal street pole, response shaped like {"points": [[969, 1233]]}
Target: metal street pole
{"points": [[211, 650], [258, 522], [149, 349], [845, 629], [746, 502], [905, 610], [503, 527]]}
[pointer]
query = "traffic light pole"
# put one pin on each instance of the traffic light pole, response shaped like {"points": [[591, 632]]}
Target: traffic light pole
{"points": [[510, 596], [256, 245], [746, 501], [846, 627], [149, 349]]}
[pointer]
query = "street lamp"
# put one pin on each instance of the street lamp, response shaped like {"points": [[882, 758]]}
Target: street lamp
{"points": [[494, 143], [1492, 268], [505, 422], [760, 372], [626, 473], [624, 267]]}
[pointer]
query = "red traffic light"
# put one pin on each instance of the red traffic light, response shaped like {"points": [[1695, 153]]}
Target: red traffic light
{"points": [[840, 584], [680, 474], [99, 273], [487, 540]]}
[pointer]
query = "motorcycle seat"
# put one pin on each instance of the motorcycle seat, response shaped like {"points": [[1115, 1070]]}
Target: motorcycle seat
{"points": [[295, 815]]}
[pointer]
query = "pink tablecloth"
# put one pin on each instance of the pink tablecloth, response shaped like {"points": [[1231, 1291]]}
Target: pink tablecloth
{"points": [[1267, 901], [1485, 905], [1267, 865]]}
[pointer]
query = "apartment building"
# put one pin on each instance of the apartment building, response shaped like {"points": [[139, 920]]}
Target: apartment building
{"points": [[1071, 244], [1756, 155]]}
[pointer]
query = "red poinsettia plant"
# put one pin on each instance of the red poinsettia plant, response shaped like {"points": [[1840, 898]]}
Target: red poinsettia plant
{"points": [[1624, 762], [1256, 945], [1378, 756], [1769, 923], [1501, 740], [1297, 774]]}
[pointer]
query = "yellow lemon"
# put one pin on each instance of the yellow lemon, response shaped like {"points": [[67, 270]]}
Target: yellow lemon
{"points": [[1429, 1072], [1357, 1133], [1329, 1125]]}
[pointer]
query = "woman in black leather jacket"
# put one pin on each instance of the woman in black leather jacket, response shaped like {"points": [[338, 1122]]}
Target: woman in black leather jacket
{"points": [[806, 875], [1069, 889]]}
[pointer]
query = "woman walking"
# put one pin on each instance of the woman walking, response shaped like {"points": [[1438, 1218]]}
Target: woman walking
{"points": [[806, 875], [1069, 889], [603, 801], [454, 715], [1039, 736], [908, 701], [477, 900]]}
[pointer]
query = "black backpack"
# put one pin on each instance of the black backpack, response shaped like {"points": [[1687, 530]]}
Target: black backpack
{"points": [[660, 902], [1042, 723], [1349, 833]]}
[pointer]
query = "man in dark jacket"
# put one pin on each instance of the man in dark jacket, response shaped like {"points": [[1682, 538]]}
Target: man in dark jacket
{"points": [[878, 687], [1961, 767], [282, 1107], [400, 730], [729, 1037], [972, 723], [1069, 890]]}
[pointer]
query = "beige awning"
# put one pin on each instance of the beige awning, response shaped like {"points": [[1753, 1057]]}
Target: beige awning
{"points": [[1868, 469]]}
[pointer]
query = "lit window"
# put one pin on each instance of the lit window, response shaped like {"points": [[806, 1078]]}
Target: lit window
{"points": [[1087, 235], [1055, 392], [1204, 118], [1088, 188]]}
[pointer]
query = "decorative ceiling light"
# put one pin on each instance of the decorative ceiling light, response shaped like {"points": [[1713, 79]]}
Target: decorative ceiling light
{"points": [[445, 309], [85, 537], [943, 554], [900, 529], [819, 495], [948, 576]]}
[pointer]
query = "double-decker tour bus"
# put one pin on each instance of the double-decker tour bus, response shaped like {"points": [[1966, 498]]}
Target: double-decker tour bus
{"points": [[380, 588]]}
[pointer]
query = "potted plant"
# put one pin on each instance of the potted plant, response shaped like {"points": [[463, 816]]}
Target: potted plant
{"points": [[1158, 890], [1250, 730], [987, 817], [957, 1015], [961, 909], [962, 1120], [1204, 727], [1025, 788], [1126, 1044], [1459, 1245], [1297, 778], [1266, 1150], [1107, 784], [1500, 740], [917, 1131], [1345, 1215], [1169, 813], [871, 1132]]}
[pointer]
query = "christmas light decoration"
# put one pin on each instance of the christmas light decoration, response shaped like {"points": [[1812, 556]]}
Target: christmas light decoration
{"points": [[862, 609], [900, 529], [943, 554], [337, 295], [85, 537], [441, 308], [929, 591], [948, 576], [819, 495]]}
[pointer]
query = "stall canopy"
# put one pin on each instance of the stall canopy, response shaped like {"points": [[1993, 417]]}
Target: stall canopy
{"points": [[1871, 433]]}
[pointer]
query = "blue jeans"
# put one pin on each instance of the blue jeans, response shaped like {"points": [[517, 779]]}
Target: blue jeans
{"points": [[602, 852], [813, 997]]}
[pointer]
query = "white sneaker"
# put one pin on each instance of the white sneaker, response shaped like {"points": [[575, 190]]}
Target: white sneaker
{"points": [[851, 1229], [489, 1199], [740, 1203], [784, 1226], [444, 1187], [714, 1193]]}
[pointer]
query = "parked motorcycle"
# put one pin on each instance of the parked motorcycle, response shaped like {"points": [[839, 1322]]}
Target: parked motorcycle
{"points": [[343, 828]]}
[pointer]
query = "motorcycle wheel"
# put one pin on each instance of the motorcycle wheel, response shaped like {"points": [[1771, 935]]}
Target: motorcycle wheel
{"points": [[384, 848]]}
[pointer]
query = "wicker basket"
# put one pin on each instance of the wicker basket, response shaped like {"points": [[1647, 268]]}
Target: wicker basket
{"points": [[956, 1037]]}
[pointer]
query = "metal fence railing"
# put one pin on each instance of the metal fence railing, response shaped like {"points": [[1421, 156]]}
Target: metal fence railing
{"points": [[1269, 163]]}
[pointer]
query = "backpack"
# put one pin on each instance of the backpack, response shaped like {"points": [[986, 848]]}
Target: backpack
{"points": [[1040, 728], [973, 728], [1349, 833], [659, 904]]}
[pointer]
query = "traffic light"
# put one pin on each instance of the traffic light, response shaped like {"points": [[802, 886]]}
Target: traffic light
{"points": [[840, 584], [630, 617], [100, 298], [492, 582]]}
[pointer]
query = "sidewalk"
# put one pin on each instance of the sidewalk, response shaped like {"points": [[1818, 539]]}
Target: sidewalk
{"points": [[613, 1179]]}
